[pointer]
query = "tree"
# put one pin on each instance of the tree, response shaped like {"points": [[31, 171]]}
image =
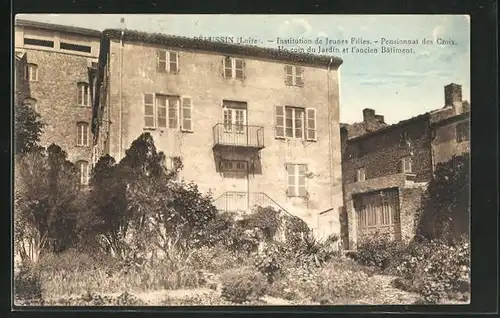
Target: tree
{"points": [[46, 193], [446, 208], [28, 129]]}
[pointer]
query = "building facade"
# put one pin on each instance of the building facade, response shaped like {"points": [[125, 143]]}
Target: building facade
{"points": [[251, 125], [55, 74], [386, 169]]}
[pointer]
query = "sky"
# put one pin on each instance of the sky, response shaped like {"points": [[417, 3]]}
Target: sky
{"points": [[397, 86]]}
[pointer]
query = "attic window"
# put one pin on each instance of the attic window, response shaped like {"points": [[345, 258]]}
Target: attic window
{"points": [[75, 47], [38, 42]]}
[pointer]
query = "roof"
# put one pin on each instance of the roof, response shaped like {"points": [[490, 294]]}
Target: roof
{"points": [[425, 116], [224, 48], [19, 55], [361, 128], [452, 119], [57, 27]]}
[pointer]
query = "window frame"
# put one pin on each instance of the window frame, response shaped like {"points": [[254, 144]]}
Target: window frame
{"points": [[291, 78], [168, 61], [178, 119], [84, 175], [81, 87], [233, 68], [404, 162], [293, 170], [28, 72], [294, 122], [82, 130], [360, 174]]}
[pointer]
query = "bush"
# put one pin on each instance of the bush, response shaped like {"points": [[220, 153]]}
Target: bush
{"points": [[243, 285], [269, 262], [338, 282], [436, 270], [27, 283], [313, 252], [380, 252], [217, 259]]}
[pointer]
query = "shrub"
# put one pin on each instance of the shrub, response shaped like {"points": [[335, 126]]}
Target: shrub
{"points": [[380, 252], [27, 283], [436, 270], [217, 259], [243, 285], [269, 262], [311, 251]]}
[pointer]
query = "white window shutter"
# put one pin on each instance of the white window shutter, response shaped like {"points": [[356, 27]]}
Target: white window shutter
{"points": [[299, 76], [289, 75], [311, 124], [186, 113], [279, 122]]}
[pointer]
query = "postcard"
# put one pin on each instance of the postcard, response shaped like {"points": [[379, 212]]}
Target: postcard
{"points": [[261, 160]]}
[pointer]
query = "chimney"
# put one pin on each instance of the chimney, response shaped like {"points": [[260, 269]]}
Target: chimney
{"points": [[368, 114], [453, 97], [380, 118]]}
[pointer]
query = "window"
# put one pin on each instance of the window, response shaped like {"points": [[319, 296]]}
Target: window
{"points": [[360, 174], [234, 116], [31, 102], [406, 165], [83, 94], [83, 168], [38, 42], [167, 62], [233, 68], [296, 181], [377, 209], [462, 131], [82, 134], [403, 139], [173, 165], [234, 169], [295, 122], [294, 75], [162, 111], [31, 72], [75, 47]]}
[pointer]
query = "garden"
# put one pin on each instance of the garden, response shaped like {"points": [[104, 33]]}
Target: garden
{"points": [[137, 236]]}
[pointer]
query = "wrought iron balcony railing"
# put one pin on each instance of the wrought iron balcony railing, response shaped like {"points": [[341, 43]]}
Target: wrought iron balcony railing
{"points": [[243, 202], [238, 136]]}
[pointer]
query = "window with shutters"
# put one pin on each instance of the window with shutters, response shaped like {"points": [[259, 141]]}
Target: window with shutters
{"points": [[406, 165], [296, 180], [360, 174], [82, 134], [294, 75], [462, 131], [83, 168], [233, 68], [377, 209], [167, 61], [164, 111], [31, 72], [83, 94], [234, 169], [295, 122]]}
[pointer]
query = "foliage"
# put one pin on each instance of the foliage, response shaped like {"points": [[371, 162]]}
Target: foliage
{"points": [[105, 274], [295, 229], [314, 252], [242, 285], [336, 282], [27, 283], [380, 251], [93, 299], [266, 219], [217, 259], [269, 262], [446, 208], [47, 201], [28, 128], [436, 269]]}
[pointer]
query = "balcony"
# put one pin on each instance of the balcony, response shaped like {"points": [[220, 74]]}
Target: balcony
{"points": [[245, 136], [242, 203]]}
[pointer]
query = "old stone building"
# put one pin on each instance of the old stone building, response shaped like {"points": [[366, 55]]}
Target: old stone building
{"points": [[385, 169], [55, 69], [252, 125]]}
